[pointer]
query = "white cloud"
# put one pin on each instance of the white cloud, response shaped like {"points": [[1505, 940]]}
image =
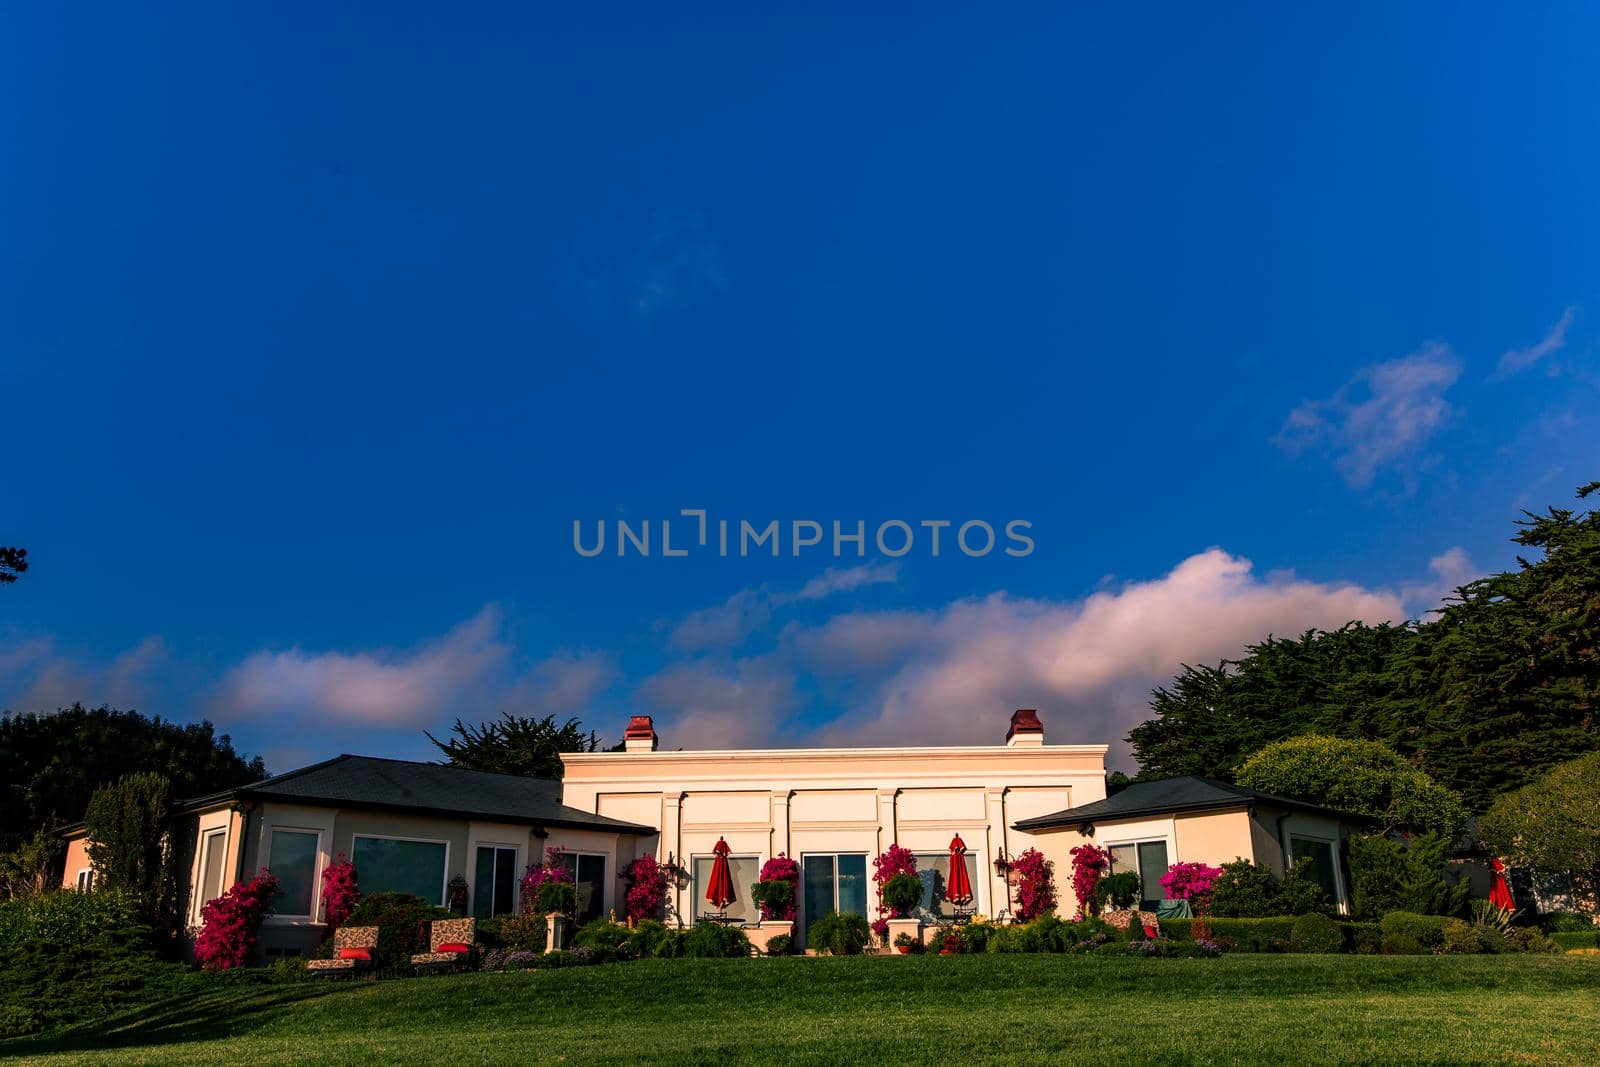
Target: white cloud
{"points": [[565, 684], [1382, 418], [35, 677], [1520, 359], [718, 704], [727, 625], [1448, 571], [845, 579]]}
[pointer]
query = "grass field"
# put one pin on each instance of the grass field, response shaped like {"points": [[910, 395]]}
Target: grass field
{"points": [[981, 1009]]}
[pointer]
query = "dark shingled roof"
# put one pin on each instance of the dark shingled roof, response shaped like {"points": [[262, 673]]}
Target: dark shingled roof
{"points": [[1185, 793], [400, 785]]}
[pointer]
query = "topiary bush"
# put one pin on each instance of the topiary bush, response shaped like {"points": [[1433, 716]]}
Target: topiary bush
{"points": [[1402, 930], [901, 894], [1120, 890], [839, 935], [780, 945], [402, 922], [1315, 933]]}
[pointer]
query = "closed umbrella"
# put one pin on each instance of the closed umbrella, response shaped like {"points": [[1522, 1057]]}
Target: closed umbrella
{"points": [[720, 891], [958, 889], [1499, 888]]}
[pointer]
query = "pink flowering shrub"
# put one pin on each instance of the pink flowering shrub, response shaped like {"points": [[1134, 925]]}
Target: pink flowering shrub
{"points": [[647, 888], [339, 893], [231, 922], [1089, 862], [1191, 882], [1036, 890], [781, 868], [890, 863], [548, 887]]}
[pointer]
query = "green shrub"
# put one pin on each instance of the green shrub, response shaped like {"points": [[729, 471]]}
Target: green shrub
{"points": [[288, 969], [1387, 875], [1405, 927], [1364, 939], [1236, 935], [402, 921], [644, 938], [557, 957], [1246, 890], [974, 937], [556, 896], [1461, 938], [603, 935], [839, 935], [715, 941], [669, 946], [1315, 933], [901, 894], [18, 1019], [1529, 939], [1403, 945], [780, 945], [1566, 922], [64, 915], [1576, 938], [45, 984], [1119, 890]]}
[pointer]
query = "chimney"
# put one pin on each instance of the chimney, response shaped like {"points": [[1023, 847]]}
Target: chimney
{"points": [[640, 736], [1026, 729]]}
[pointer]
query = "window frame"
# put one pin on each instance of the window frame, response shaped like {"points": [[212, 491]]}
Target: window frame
{"points": [[316, 870], [444, 879], [976, 875], [606, 859], [206, 843], [84, 879], [516, 878], [1134, 843], [1341, 897], [696, 889]]}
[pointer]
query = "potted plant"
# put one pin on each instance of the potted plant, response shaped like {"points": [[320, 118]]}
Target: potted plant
{"points": [[903, 942], [775, 893], [949, 941]]}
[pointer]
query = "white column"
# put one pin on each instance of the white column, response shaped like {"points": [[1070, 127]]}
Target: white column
{"points": [[672, 844]]}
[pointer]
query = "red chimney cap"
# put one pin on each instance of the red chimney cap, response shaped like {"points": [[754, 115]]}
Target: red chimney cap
{"points": [[639, 727], [1024, 721]]}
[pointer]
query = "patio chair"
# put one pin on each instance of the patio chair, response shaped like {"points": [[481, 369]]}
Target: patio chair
{"points": [[449, 944], [353, 950]]}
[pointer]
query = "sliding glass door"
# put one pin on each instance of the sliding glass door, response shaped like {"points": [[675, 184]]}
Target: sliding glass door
{"points": [[833, 882]]}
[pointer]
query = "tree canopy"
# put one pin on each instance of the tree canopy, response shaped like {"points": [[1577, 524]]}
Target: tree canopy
{"points": [[13, 561], [126, 822], [1501, 684], [1357, 777], [51, 764], [516, 745], [1553, 822]]}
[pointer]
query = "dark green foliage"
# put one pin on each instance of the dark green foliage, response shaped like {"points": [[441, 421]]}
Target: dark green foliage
{"points": [[515, 933], [127, 825], [46, 983], [1389, 875], [1120, 890], [1246, 890], [51, 763], [30, 867], [780, 945], [1316, 933], [1048, 934], [840, 935], [1554, 823], [902, 893], [602, 934], [1560, 922], [1576, 938], [1406, 928], [516, 745], [645, 938], [1362, 778], [1236, 935], [1501, 684], [67, 916], [556, 896], [714, 940], [776, 894], [402, 922]]}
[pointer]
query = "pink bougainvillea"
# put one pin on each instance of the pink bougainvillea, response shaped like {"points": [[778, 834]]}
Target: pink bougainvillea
{"points": [[647, 888], [1036, 890], [891, 861], [231, 922], [781, 868], [1089, 862], [339, 893], [1191, 882], [538, 876]]}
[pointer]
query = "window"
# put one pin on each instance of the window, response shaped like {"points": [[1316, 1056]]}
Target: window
{"points": [[213, 849], [401, 865], [834, 883], [745, 871], [292, 858], [495, 887], [1320, 853], [86, 880], [934, 870], [590, 874], [1149, 859]]}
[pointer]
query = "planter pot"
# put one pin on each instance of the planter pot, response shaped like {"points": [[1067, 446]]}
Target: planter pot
{"points": [[913, 927], [762, 935], [902, 949], [947, 952]]}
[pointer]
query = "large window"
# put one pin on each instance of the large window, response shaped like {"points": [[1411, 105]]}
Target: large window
{"points": [[590, 874], [213, 850], [934, 870], [494, 889], [1320, 853], [834, 882], [399, 865], [85, 880], [292, 858], [745, 870], [1149, 859]]}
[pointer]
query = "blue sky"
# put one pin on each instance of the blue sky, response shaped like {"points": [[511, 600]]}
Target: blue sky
{"points": [[322, 326]]}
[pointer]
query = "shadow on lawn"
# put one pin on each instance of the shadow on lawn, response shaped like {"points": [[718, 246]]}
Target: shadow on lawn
{"points": [[172, 1020]]}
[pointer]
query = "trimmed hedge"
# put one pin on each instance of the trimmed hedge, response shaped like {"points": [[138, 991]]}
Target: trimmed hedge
{"points": [[1576, 938], [1271, 935], [66, 917]]}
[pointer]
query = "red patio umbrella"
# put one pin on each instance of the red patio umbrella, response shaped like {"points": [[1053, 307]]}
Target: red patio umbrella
{"points": [[1499, 888], [958, 888], [720, 891]]}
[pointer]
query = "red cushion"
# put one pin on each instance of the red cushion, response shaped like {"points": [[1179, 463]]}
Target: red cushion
{"points": [[454, 946], [1151, 932], [355, 954]]}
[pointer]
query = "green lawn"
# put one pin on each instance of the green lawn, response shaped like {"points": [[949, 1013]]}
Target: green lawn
{"points": [[980, 1009]]}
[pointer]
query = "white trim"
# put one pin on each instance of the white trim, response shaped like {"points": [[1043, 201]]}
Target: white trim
{"points": [[1333, 859], [790, 754], [78, 879], [197, 899], [444, 883], [472, 875], [316, 870]]}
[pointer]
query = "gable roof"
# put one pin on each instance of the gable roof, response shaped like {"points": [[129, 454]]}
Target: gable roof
{"points": [[1185, 793], [423, 788]]}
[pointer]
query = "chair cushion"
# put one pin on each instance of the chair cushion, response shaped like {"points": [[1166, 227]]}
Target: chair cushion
{"points": [[423, 958], [454, 946], [330, 965], [355, 954]]}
